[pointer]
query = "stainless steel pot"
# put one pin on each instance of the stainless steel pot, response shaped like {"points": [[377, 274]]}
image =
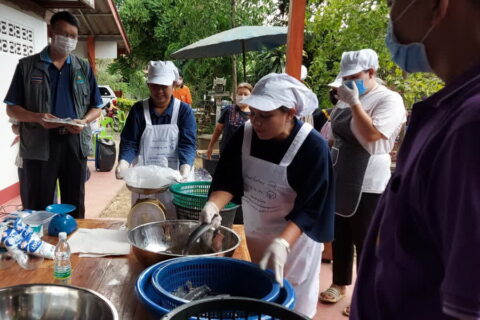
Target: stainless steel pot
{"points": [[158, 241], [54, 302]]}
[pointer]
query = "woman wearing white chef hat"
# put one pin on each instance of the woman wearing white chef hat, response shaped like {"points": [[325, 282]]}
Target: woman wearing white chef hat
{"points": [[279, 169]]}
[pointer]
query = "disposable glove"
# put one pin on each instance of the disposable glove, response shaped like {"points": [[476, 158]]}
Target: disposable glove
{"points": [[277, 254], [210, 214], [185, 171], [122, 165], [347, 95]]}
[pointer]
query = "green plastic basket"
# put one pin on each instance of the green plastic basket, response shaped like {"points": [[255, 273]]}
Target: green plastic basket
{"points": [[193, 195], [190, 197]]}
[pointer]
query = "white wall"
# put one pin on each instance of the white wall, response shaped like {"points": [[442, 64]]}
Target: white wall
{"points": [[24, 22], [103, 49], [81, 49]]}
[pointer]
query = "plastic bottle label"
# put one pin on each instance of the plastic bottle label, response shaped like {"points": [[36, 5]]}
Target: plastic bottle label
{"points": [[62, 272]]}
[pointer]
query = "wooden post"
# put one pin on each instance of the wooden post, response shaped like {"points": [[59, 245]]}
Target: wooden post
{"points": [[296, 24], [91, 52]]}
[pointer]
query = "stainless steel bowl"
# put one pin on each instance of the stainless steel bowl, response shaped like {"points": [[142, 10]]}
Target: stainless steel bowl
{"points": [[158, 241], [54, 302]]}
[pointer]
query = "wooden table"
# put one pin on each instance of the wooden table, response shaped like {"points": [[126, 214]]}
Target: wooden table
{"points": [[113, 277]]}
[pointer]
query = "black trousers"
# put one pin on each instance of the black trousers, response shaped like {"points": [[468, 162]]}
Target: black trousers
{"points": [[65, 163], [350, 234], [23, 185]]}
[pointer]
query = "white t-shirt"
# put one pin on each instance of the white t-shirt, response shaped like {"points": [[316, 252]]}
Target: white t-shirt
{"points": [[388, 114]]}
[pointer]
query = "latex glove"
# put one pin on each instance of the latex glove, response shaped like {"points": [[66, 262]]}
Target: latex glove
{"points": [[277, 254], [121, 166], [347, 95], [185, 171], [210, 214]]}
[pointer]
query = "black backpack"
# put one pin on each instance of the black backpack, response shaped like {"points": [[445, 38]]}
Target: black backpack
{"points": [[105, 154]]}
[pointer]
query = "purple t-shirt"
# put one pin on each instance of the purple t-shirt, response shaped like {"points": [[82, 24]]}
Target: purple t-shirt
{"points": [[421, 259]]}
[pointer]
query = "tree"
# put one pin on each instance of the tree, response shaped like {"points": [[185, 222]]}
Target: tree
{"points": [[335, 26], [157, 28]]}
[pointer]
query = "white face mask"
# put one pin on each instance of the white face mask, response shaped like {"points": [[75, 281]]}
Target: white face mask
{"points": [[64, 45], [239, 98]]}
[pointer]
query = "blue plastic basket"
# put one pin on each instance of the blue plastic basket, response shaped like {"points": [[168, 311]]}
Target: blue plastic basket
{"points": [[150, 299], [145, 293], [222, 275]]}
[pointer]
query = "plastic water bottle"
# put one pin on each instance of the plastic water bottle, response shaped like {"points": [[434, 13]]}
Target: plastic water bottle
{"points": [[62, 269]]}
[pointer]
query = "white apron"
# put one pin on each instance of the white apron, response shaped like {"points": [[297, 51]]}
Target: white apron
{"points": [[159, 146], [267, 199]]}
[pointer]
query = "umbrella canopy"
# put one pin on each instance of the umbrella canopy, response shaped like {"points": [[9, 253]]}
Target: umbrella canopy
{"points": [[235, 41]]}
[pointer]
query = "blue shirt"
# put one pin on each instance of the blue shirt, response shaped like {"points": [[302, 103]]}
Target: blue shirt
{"points": [[135, 125], [421, 257], [60, 88], [310, 174]]}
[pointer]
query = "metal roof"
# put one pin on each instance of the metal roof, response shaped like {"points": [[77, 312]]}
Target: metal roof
{"points": [[102, 21]]}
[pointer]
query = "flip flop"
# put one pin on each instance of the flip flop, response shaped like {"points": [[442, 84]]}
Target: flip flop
{"points": [[334, 295], [346, 311]]}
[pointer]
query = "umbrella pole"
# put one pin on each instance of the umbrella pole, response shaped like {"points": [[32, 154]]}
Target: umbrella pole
{"points": [[244, 62]]}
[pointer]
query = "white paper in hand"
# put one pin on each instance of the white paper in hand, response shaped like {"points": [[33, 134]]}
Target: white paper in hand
{"points": [[67, 121], [150, 177]]}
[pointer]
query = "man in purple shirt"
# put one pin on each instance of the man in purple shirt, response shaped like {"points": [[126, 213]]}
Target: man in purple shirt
{"points": [[421, 259]]}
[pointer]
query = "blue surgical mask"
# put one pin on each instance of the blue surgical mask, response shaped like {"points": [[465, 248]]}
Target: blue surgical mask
{"points": [[410, 57], [360, 85]]}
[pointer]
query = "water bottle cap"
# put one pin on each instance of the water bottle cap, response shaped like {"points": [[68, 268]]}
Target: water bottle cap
{"points": [[62, 235]]}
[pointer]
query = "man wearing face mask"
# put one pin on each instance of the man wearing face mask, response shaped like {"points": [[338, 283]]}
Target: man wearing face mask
{"points": [[421, 254], [55, 84], [365, 123]]}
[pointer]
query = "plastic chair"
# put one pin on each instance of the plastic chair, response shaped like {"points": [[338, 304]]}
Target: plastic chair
{"points": [[232, 308]]}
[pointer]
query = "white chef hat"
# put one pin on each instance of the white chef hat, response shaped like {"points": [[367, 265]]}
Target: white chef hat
{"points": [[303, 73], [162, 72], [279, 89], [356, 61]]}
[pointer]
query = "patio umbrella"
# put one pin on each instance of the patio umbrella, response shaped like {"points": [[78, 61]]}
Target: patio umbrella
{"points": [[235, 41]]}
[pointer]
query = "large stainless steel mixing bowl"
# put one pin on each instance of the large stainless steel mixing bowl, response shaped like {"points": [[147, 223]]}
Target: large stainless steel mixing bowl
{"points": [[54, 302], [157, 241]]}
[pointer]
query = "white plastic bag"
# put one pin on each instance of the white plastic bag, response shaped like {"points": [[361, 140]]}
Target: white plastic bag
{"points": [[150, 177]]}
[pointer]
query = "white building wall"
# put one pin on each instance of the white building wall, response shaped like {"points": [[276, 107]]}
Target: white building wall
{"points": [[29, 34], [81, 49], [103, 49]]}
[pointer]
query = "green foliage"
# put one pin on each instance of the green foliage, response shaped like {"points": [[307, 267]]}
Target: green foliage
{"points": [[335, 26], [157, 28], [125, 104], [265, 62], [109, 73]]}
